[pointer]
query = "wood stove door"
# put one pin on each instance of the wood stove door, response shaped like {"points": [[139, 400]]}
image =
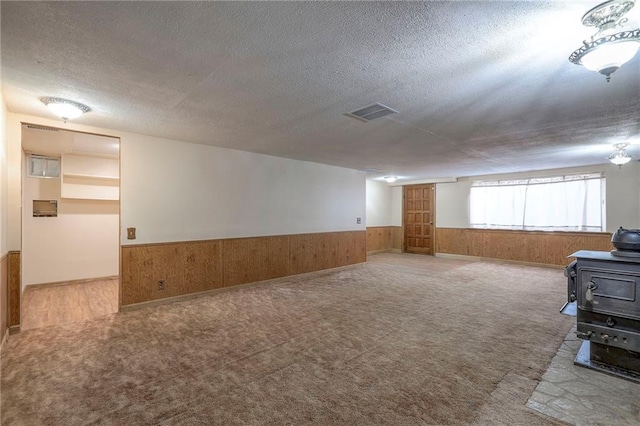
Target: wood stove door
{"points": [[610, 292]]}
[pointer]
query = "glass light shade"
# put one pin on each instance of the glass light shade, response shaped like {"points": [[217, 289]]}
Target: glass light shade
{"points": [[619, 158], [610, 56], [65, 111], [64, 108], [390, 179]]}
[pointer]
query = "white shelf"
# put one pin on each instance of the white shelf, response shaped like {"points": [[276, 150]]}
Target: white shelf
{"points": [[90, 178], [83, 176]]}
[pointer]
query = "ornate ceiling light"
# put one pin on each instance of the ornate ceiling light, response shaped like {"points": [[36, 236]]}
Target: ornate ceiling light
{"points": [[64, 108], [608, 49], [620, 155]]}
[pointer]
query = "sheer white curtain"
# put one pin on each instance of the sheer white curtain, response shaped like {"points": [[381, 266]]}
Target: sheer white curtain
{"points": [[563, 203]]}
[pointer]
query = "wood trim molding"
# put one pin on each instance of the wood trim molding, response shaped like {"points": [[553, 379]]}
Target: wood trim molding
{"points": [[192, 267], [536, 247]]}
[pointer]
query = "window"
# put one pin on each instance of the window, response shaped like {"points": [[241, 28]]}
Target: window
{"points": [[565, 203], [44, 167]]}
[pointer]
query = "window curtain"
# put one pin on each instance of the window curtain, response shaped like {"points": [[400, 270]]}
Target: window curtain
{"points": [[560, 203]]}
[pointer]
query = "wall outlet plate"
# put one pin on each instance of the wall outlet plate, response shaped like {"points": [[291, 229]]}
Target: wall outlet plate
{"points": [[358, 220], [131, 233], [160, 284]]}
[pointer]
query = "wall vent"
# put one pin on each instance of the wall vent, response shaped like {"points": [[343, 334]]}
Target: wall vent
{"points": [[36, 127], [371, 112]]}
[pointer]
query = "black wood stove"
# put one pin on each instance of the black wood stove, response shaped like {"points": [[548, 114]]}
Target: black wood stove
{"points": [[603, 291]]}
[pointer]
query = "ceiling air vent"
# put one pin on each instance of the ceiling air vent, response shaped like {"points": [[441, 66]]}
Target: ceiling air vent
{"points": [[371, 112]]}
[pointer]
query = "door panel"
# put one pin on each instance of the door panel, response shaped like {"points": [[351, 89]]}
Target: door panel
{"points": [[419, 229]]}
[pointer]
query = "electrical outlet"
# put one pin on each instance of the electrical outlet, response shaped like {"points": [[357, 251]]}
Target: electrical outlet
{"points": [[347, 258], [160, 284], [131, 233], [358, 220]]}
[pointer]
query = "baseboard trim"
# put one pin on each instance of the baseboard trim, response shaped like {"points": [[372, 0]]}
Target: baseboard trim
{"points": [[378, 251], [70, 282], [14, 329], [183, 297], [495, 260], [390, 250]]}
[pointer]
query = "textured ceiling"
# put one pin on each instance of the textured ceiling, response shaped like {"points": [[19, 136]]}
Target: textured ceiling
{"points": [[481, 87]]}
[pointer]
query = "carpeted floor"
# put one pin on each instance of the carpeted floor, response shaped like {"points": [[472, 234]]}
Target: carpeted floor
{"points": [[394, 342]]}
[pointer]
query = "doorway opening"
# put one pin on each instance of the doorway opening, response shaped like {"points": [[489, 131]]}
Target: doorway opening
{"points": [[70, 226]]}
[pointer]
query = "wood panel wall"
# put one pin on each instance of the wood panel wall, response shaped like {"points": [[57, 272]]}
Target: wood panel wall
{"points": [[384, 238], [4, 296], [197, 266], [379, 238], [397, 238], [550, 248], [15, 290]]}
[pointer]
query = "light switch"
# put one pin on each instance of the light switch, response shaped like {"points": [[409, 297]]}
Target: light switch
{"points": [[358, 220], [131, 233]]}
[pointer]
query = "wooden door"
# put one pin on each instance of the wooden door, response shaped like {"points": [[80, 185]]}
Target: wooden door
{"points": [[419, 230]]}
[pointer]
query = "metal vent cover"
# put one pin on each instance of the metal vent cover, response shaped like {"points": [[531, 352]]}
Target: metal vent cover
{"points": [[36, 127], [371, 112]]}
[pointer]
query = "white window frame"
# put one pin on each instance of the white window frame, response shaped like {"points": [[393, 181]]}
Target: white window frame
{"points": [[47, 172]]}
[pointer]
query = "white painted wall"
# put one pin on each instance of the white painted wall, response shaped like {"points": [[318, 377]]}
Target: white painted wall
{"points": [[82, 242], [452, 204], [3, 178], [396, 206], [15, 160], [379, 203], [178, 191], [622, 195]]}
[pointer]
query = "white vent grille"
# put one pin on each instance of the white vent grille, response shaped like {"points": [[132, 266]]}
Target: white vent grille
{"points": [[371, 112], [36, 127]]}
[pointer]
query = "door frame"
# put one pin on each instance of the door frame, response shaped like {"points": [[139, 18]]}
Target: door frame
{"points": [[21, 266]]}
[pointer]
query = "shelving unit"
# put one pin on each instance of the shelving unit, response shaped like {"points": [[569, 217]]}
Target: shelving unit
{"points": [[90, 178]]}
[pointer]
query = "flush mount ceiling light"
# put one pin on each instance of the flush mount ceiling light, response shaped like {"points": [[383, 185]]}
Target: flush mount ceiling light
{"points": [[608, 49], [390, 179], [64, 108], [620, 155]]}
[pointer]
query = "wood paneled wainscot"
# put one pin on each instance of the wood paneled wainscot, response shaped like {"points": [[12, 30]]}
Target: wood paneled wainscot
{"points": [[379, 238], [384, 238], [4, 296], [15, 290], [550, 248], [199, 266]]}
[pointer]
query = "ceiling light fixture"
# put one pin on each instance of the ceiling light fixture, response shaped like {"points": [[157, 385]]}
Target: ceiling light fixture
{"points": [[64, 108], [608, 49], [620, 156], [390, 179]]}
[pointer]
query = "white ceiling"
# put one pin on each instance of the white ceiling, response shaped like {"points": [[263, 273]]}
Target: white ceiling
{"points": [[481, 87]]}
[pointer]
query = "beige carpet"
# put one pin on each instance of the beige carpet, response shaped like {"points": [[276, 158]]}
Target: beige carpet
{"points": [[403, 340]]}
